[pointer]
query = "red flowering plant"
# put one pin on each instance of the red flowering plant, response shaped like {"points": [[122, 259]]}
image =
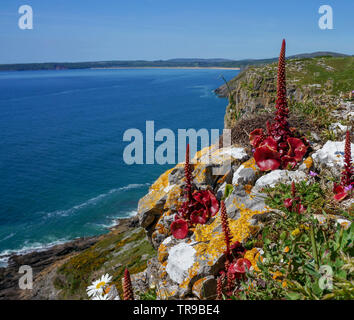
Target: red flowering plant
{"points": [[346, 186], [278, 148], [236, 265], [294, 204], [198, 207]]}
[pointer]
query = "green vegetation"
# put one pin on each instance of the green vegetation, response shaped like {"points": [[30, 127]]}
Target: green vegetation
{"points": [[111, 255], [228, 190], [149, 295], [300, 250], [334, 74]]}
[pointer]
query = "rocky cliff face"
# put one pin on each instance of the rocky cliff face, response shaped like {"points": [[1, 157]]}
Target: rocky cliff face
{"points": [[308, 81]]}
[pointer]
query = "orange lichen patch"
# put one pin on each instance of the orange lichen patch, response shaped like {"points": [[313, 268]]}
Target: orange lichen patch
{"points": [[162, 253], [161, 182], [222, 179], [248, 188], [308, 162], [198, 283], [212, 243], [156, 192], [192, 272], [174, 197], [163, 274], [198, 287], [161, 229], [199, 173], [164, 293], [253, 256], [251, 163]]}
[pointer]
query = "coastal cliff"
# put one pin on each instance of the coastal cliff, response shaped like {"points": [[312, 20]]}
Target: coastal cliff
{"points": [[318, 94], [321, 81]]}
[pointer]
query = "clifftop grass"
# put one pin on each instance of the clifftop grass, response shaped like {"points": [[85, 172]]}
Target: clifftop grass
{"points": [[335, 74]]}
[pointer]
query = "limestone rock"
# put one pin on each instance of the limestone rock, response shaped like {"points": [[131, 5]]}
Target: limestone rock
{"points": [[246, 173], [278, 176], [181, 258], [331, 156], [338, 128]]}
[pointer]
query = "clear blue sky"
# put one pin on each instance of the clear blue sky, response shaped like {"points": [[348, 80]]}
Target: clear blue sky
{"points": [[88, 30]]}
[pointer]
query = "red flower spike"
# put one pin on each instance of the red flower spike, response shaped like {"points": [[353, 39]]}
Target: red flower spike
{"points": [[293, 189], [267, 159], [225, 229], [297, 148], [347, 174], [127, 286], [179, 228], [230, 284], [281, 126], [284, 150], [219, 289]]}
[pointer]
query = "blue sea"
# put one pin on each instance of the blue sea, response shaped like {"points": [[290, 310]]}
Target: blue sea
{"points": [[62, 173]]}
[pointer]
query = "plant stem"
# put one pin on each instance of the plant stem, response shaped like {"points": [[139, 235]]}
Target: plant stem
{"points": [[314, 247]]}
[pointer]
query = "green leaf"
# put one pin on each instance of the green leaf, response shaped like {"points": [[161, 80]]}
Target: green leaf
{"points": [[293, 296]]}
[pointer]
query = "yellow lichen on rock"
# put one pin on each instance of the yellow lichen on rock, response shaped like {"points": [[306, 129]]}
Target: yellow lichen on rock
{"points": [[253, 256], [248, 188], [308, 162], [162, 253], [251, 163], [192, 272], [211, 238], [174, 198], [162, 182]]}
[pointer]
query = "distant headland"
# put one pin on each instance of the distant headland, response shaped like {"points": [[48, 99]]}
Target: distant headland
{"points": [[190, 63]]}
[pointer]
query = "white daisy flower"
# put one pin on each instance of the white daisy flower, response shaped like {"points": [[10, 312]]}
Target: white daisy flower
{"points": [[98, 286], [101, 297]]}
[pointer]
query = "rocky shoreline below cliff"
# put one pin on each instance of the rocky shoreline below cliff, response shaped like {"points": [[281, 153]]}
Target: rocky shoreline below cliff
{"points": [[47, 259]]}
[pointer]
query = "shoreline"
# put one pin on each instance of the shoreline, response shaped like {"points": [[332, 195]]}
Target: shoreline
{"points": [[51, 256], [5, 259], [196, 68]]}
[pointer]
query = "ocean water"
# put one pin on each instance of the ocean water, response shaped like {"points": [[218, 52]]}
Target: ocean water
{"points": [[62, 173]]}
